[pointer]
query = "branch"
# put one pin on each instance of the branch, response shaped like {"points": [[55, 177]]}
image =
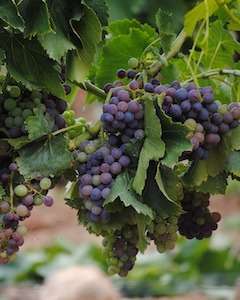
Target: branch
{"points": [[215, 72], [176, 47], [91, 88]]}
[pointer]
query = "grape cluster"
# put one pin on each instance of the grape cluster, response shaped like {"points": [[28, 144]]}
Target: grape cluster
{"points": [[16, 205], [121, 250], [18, 104], [197, 221], [123, 117], [99, 165], [164, 233]]}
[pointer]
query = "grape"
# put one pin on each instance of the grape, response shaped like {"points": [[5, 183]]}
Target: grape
{"points": [[22, 211], [96, 180], [123, 96], [181, 94], [131, 74], [86, 190], [212, 138], [133, 63], [16, 112], [128, 117], [148, 87], [4, 207], [217, 119], [116, 168], [13, 167], [224, 128], [21, 190], [124, 161], [134, 85], [139, 134], [175, 111], [28, 200], [48, 201], [105, 193], [18, 121], [197, 107], [133, 107], [186, 106], [82, 157], [10, 104], [194, 95], [212, 107], [121, 73], [160, 89], [203, 115], [14, 91], [228, 118], [106, 117], [191, 124], [106, 178], [45, 183], [208, 98], [26, 113], [96, 194], [122, 106]]}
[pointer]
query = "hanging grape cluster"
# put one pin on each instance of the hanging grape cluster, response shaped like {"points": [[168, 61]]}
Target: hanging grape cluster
{"points": [[18, 104]]}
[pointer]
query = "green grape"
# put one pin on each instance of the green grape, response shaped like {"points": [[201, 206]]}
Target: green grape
{"points": [[17, 112], [69, 117], [18, 121], [45, 183], [37, 101], [82, 157], [9, 122], [191, 124], [22, 210], [133, 63], [223, 109], [10, 104], [26, 113], [38, 200], [36, 94], [14, 91], [22, 230], [20, 190]]}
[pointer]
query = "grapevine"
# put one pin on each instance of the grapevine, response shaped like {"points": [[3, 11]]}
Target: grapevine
{"points": [[167, 138]]}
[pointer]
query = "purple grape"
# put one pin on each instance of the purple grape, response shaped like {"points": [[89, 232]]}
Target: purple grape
{"points": [[114, 100], [106, 178], [112, 109], [194, 95], [186, 106], [106, 192], [120, 116], [96, 194], [116, 153], [160, 89], [86, 190], [148, 87], [203, 115], [105, 216], [208, 98], [106, 117], [86, 179], [134, 85], [175, 111], [197, 107], [121, 73], [171, 92], [206, 90], [191, 86], [123, 96], [109, 159], [131, 74], [95, 171], [122, 106], [212, 139], [223, 128], [28, 200], [139, 115], [107, 87], [60, 122], [48, 201], [105, 168], [139, 134], [113, 140], [124, 161], [133, 106], [181, 94], [116, 168], [234, 124], [128, 117], [13, 167], [227, 118], [213, 107], [217, 118]]}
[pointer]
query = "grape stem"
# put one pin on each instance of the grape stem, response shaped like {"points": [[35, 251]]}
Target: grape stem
{"points": [[156, 67], [215, 72], [89, 87], [11, 191]]}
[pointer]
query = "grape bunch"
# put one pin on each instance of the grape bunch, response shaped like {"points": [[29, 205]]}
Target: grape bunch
{"points": [[197, 221], [16, 205], [99, 165], [123, 117], [164, 233], [121, 250], [18, 104]]}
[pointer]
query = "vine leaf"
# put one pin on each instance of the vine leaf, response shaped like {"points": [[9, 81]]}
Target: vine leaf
{"points": [[169, 184], [9, 13], [214, 185], [174, 136], [89, 32], [101, 9], [153, 147], [129, 44], [38, 125], [233, 163], [122, 190], [142, 224], [28, 63], [36, 16], [199, 12], [233, 187], [18, 143], [48, 158], [166, 28]]}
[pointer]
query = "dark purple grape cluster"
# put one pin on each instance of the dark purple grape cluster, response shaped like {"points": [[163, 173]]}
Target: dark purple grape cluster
{"points": [[18, 104], [197, 221], [123, 117], [16, 205], [97, 170], [121, 250], [164, 233]]}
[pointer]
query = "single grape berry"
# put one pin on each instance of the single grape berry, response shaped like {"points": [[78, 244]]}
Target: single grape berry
{"points": [[21, 190], [45, 183]]}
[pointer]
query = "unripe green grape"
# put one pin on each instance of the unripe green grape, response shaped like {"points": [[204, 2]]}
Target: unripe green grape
{"points": [[133, 63], [22, 230], [160, 228], [113, 270], [37, 101], [69, 117], [90, 148], [18, 121], [223, 109], [26, 113], [20, 190], [45, 183], [22, 211], [14, 91], [191, 124], [38, 200], [17, 112], [170, 245], [36, 94], [82, 157], [9, 122], [10, 104]]}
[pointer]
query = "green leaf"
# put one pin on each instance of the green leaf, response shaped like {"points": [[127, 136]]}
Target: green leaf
{"points": [[142, 224], [38, 125], [2, 192], [233, 187], [18, 143], [166, 28], [219, 49], [215, 164], [199, 12], [174, 136], [101, 9], [9, 13], [233, 163], [118, 49], [214, 185], [36, 16], [27, 63], [153, 147], [122, 191], [169, 184], [89, 32], [45, 158], [234, 137]]}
